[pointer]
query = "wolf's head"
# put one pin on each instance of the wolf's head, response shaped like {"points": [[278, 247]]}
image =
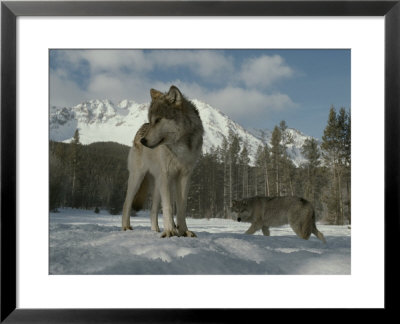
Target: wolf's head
{"points": [[167, 117], [241, 210]]}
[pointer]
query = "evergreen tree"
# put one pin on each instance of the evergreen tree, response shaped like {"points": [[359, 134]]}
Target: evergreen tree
{"points": [[56, 183], [345, 137], [244, 161], [312, 154], [330, 146], [258, 170], [287, 167], [75, 139], [330, 139], [348, 162], [336, 153], [75, 164], [233, 157], [262, 166], [224, 152], [276, 157]]}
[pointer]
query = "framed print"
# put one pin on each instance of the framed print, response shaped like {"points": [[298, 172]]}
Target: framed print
{"points": [[58, 54]]}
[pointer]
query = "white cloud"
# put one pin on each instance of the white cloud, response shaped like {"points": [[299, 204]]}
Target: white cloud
{"points": [[203, 63], [240, 103], [119, 75], [110, 61], [64, 92], [262, 71], [107, 86]]}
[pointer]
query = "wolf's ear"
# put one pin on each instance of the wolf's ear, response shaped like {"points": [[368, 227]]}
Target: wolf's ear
{"points": [[234, 203], [174, 95], [155, 94]]}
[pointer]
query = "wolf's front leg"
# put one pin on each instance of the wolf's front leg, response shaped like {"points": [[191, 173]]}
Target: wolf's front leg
{"points": [[182, 188], [253, 228], [154, 210], [169, 225]]}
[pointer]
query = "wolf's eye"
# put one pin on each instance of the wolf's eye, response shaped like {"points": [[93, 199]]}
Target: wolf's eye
{"points": [[157, 120]]}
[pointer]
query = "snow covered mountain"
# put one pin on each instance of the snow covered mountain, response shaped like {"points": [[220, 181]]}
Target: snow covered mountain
{"points": [[104, 121], [293, 149]]}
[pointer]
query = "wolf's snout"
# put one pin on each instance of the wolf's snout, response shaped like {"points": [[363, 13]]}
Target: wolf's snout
{"points": [[239, 219], [143, 141]]}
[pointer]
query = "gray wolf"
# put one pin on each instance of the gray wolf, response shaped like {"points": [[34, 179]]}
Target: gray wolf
{"points": [[162, 157], [264, 212]]}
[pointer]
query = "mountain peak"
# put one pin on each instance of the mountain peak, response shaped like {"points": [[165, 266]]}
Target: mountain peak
{"points": [[104, 121]]}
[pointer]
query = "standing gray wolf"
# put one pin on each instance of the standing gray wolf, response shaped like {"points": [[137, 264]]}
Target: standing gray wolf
{"points": [[263, 212], [163, 155]]}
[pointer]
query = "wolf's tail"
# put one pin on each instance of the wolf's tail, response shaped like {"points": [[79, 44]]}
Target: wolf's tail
{"points": [[141, 195]]}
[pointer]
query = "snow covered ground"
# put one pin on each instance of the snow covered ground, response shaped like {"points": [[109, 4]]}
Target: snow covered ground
{"points": [[82, 242]]}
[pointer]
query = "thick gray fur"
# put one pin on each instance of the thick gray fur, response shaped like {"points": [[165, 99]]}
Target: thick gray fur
{"points": [[266, 212], [162, 159]]}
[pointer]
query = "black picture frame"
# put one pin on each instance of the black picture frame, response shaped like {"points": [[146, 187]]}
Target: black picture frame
{"points": [[10, 10]]}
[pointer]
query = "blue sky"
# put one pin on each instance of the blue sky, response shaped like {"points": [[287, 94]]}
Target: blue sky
{"points": [[256, 88]]}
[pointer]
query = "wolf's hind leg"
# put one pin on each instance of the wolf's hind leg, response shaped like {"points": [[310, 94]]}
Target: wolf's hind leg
{"points": [[182, 186], [318, 234], [302, 230], [265, 230], [134, 182]]}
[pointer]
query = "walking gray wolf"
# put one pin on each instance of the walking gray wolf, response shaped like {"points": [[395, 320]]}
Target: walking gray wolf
{"points": [[163, 155], [264, 212]]}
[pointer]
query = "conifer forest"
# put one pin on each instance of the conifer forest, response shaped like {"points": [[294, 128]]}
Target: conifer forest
{"points": [[95, 176]]}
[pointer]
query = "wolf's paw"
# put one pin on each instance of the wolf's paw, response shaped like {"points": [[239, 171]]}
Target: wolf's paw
{"points": [[124, 228], [189, 234], [155, 229], [169, 233], [183, 231]]}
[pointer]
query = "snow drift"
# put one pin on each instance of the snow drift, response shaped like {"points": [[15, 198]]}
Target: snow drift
{"points": [[82, 242]]}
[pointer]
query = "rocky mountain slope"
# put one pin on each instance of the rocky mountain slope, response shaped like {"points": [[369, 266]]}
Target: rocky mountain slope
{"points": [[105, 121]]}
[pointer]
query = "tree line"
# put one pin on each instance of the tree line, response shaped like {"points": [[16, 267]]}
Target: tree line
{"points": [[87, 176], [95, 176]]}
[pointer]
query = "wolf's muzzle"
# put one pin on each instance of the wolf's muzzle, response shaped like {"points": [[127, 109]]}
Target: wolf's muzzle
{"points": [[146, 143]]}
